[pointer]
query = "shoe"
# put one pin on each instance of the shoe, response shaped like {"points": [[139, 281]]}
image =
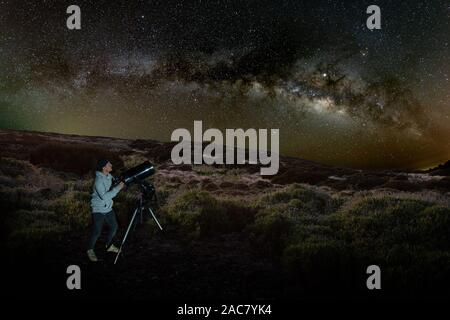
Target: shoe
{"points": [[91, 255], [112, 248]]}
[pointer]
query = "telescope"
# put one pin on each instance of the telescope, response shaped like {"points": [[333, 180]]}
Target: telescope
{"points": [[136, 174], [147, 198]]}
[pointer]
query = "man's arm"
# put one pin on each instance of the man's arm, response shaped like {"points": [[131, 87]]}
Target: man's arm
{"points": [[105, 194]]}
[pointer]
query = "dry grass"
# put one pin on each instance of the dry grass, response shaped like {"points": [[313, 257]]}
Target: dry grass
{"points": [[309, 230]]}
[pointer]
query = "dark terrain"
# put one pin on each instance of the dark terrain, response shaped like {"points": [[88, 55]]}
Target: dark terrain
{"points": [[309, 231]]}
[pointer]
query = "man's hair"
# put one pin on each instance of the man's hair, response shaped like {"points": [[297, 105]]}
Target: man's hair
{"points": [[100, 164]]}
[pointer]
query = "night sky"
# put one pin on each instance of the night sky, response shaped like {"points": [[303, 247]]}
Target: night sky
{"points": [[340, 93]]}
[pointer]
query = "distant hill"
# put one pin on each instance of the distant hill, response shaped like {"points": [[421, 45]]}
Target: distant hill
{"points": [[441, 170], [77, 155]]}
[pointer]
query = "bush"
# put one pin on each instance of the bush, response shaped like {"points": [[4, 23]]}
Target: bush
{"points": [[433, 225], [203, 215], [15, 168], [406, 237], [16, 198], [319, 264], [199, 213], [30, 240], [416, 270], [305, 200], [375, 224], [239, 216], [295, 213], [73, 209], [270, 233], [24, 218]]}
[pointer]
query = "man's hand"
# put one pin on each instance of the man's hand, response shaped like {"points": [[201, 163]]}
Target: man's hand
{"points": [[121, 185]]}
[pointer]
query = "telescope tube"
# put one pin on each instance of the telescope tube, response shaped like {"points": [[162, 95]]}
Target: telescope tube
{"points": [[140, 172]]}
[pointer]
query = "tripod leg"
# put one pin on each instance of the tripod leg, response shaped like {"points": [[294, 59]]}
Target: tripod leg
{"points": [[126, 234], [154, 217]]}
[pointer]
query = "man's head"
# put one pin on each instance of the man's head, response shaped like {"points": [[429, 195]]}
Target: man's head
{"points": [[104, 166]]}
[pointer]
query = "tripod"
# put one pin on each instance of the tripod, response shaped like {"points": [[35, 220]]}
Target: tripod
{"points": [[148, 193]]}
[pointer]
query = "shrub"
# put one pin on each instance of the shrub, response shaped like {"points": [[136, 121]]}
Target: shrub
{"points": [[30, 240], [73, 209], [14, 168], [319, 264], [199, 213], [239, 215], [375, 225], [306, 200], [23, 217], [433, 225], [270, 233], [16, 198], [203, 215]]}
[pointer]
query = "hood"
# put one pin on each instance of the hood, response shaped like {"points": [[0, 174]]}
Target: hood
{"points": [[101, 175]]}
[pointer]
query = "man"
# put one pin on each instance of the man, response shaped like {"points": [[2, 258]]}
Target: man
{"points": [[102, 210]]}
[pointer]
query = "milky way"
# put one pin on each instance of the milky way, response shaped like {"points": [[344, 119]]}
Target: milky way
{"points": [[339, 93]]}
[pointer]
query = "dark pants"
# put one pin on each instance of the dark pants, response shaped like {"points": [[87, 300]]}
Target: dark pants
{"points": [[98, 220]]}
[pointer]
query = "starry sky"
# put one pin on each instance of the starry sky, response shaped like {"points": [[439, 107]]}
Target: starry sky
{"points": [[339, 93]]}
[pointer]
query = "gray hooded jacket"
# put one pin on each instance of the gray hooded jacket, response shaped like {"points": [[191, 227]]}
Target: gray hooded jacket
{"points": [[101, 200]]}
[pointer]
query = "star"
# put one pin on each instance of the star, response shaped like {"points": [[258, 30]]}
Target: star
{"points": [[313, 71]]}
